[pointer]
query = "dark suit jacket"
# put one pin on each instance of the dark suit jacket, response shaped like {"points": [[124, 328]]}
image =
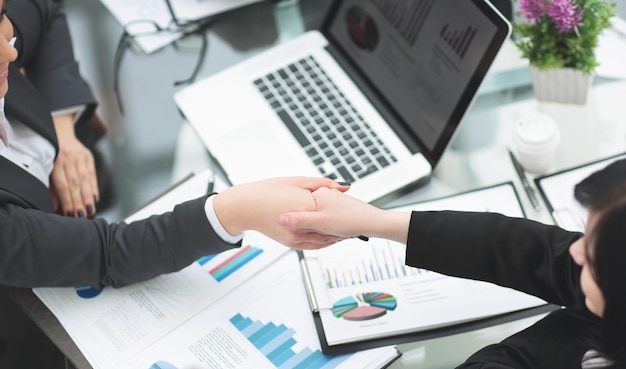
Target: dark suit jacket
{"points": [[38, 248], [46, 54], [520, 254]]}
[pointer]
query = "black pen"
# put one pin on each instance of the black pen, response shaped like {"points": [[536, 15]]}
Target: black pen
{"points": [[530, 191], [211, 185]]}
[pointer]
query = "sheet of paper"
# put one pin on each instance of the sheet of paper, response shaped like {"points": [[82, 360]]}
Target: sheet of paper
{"points": [[198, 9], [112, 326], [558, 192], [364, 290], [265, 323], [132, 11]]}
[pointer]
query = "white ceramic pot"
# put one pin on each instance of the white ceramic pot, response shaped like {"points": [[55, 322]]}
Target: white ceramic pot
{"points": [[562, 85]]}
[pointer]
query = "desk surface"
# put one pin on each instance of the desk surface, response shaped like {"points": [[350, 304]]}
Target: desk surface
{"points": [[150, 147]]}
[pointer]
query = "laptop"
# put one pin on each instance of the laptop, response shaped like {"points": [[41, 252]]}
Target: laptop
{"points": [[372, 98]]}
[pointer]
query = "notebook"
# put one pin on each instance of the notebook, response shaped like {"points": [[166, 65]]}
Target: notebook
{"points": [[372, 98]]}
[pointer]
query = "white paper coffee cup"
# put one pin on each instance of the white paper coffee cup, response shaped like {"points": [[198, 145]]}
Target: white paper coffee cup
{"points": [[536, 138]]}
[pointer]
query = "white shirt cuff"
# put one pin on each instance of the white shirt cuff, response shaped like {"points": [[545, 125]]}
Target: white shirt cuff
{"points": [[215, 223], [76, 111]]}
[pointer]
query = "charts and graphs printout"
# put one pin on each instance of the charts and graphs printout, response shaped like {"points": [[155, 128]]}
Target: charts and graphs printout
{"points": [[365, 291], [222, 311]]}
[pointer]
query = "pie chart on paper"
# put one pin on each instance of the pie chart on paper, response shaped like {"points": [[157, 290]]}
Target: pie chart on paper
{"points": [[86, 292], [162, 365], [364, 306]]}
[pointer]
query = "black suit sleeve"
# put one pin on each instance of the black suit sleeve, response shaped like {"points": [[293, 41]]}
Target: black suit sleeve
{"points": [[518, 253], [45, 51], [559, 340], [41, 249]]}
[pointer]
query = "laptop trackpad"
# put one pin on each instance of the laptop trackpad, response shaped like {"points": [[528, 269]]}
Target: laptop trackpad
{"points": [[253, 146]]}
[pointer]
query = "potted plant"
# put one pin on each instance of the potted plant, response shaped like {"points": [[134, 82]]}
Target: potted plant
{"points": [[559, 38]]}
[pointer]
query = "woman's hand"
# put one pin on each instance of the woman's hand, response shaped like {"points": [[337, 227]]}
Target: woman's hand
{"points": [[343, 216], [259, 205], [73, 184]]}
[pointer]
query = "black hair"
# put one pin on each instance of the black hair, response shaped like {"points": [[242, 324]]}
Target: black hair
{"points": [[604, 193], [604, 188]]}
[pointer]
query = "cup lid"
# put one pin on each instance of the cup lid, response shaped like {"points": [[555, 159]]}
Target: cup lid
{"points": [[536, 130]]}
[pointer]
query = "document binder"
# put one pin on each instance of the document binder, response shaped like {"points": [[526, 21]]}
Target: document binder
{"points": [[484, 305], [557, 191]]}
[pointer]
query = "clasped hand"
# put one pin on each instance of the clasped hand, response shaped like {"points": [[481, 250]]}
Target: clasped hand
{"points": [[305, 213]]}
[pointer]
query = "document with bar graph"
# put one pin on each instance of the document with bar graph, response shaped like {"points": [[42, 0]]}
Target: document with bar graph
{"points": [[112, 327], [264, 324], [363, 295]]}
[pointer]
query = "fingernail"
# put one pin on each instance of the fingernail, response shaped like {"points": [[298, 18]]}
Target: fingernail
{"points": [[81, 214], [89, 210], [70, 214], [344, 183]]}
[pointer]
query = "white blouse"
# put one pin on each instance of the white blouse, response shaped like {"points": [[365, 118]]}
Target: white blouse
{"points": [[26, 148]]}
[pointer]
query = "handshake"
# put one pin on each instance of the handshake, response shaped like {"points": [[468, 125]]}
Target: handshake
{"points": [[305, 213]]}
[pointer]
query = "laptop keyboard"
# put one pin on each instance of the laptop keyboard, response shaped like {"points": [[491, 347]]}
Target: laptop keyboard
{"points": [[329, 129]]}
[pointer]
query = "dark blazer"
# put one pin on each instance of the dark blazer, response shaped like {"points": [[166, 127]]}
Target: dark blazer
{"points": [[520, 254], [46, 54], [39, 248]]}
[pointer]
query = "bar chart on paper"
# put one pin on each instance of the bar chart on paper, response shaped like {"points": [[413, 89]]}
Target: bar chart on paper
{"points": [[279, 345], [350, 267], [162, 365], [221, 266]]}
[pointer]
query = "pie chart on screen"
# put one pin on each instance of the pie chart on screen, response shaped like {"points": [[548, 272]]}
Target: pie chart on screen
{"points": [[364, 306], [362, 29]]}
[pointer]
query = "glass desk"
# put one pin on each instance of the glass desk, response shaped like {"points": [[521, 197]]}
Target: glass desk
{"points": [[150, 147]]}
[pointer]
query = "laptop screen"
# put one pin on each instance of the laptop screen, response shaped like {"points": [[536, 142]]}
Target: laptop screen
{"points": [[424, 58]]}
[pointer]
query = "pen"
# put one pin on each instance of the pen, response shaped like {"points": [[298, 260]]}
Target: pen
{"points": [[210, 185], [530, 191]]}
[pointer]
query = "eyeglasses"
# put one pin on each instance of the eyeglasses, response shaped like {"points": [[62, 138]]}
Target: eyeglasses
{"points": [[182, 23], [186, 34]]}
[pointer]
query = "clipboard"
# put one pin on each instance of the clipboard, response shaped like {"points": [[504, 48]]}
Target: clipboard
{"points": [[465, 201], [557, 191]]}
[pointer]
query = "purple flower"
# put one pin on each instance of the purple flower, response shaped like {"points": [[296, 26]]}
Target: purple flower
{"points": [[565, 15], [533, 10]]}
